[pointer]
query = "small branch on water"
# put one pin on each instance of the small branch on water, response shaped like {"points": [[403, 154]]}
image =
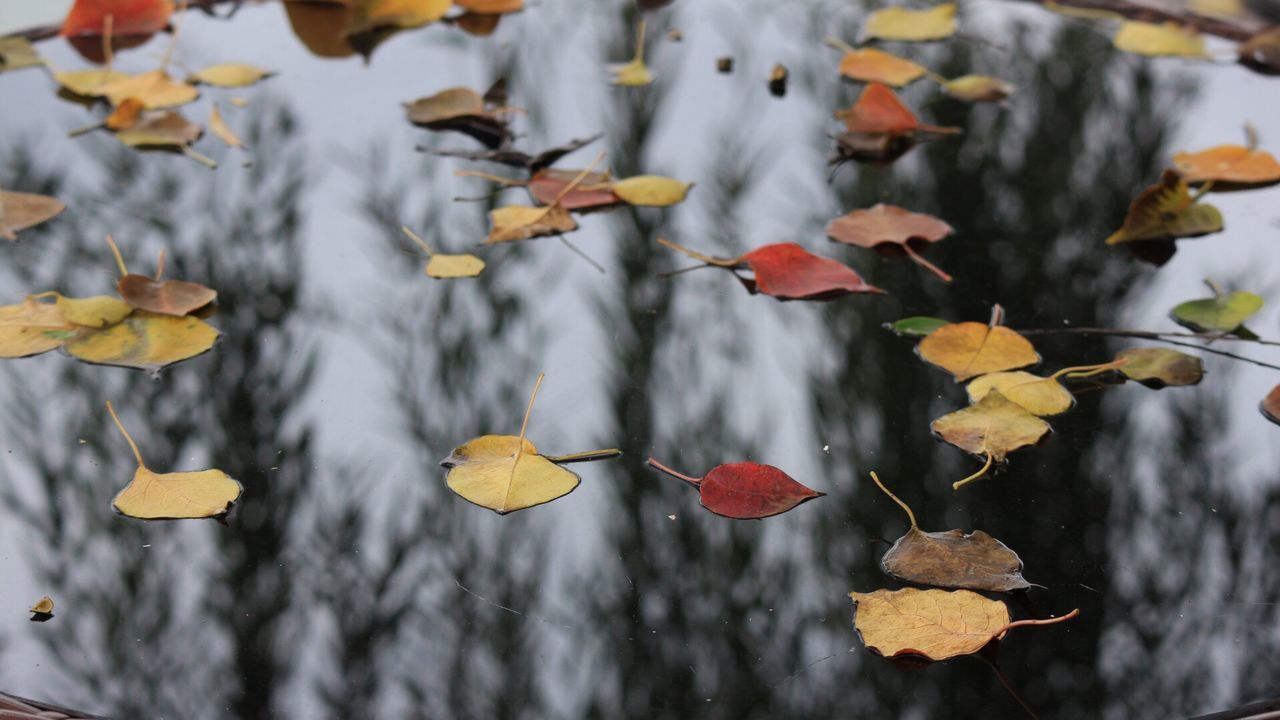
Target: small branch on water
{"points": [[1164, 338]]}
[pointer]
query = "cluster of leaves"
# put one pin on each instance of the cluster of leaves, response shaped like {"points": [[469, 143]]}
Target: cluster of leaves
{"points": [[342, 28]]}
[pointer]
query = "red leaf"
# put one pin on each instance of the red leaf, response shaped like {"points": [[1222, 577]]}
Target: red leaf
{"points": [[789, 272], [880, 128], [128, 17], [746, 490]]}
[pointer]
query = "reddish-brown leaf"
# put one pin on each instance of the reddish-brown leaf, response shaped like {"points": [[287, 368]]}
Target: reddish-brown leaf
{"points": [[592, 193], [788, 272], [879, 128], [745, 490], [128, 17], [891, 230], [167, 297], [1270, 405]]}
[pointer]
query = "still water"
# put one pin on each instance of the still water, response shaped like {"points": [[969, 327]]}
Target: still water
{"points": [[351, 583]]}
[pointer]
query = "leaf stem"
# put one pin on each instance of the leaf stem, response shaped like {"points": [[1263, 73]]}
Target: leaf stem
{"points": [[414, 237], [173, 40], [1084, 371], [640, 42], [961, 483], [115, 251], [1214, 286], [919, 260], [708, 259], [506, 182], [107, 55], [838, 44], [585, 456], [120, 426], [696, 482], [524, 425], [997, 315], [160, 265], [1025, 623], [202, 159], [910, 515]]}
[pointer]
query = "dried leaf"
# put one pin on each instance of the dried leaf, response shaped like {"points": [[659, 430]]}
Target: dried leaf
{"points": [[1159, 40], [916, 326], [1270, 405], [17, 53], [651, 190], [173, 496], [446, 266], [97, 312], [42, 611], [166, 130], [880, 128], [872, 65], [164, 297], [1261, 53], [891, 230], [144, 341], [951, 559], [1158, 367], [124, 116], [477, 24], [634, 73], [745, 490], [978, 88], [370, 15], [970, 349], [128, 17], [1235, 166], [30, 328], [88, 83], [505, 473], [229, 75], [219, 128], [990, 429], [1166, 211], [462, 110], [1221, 313], [154, 89], [898, 23], [788, 272], [522, 222], [593, 193], [19, 211], [1042, 396], [321, 27]]}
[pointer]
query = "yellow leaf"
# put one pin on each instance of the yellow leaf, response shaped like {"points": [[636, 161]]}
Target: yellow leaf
{"points": [[634, 73], [1159, 40], [97, 311], [43, 606], [19, 211], [978, 88], [521, 222], [173, 496], [897, 23], [88, 83], [30, 328], [491, 7], [369, 15], [936, 624], [1038, 395], [969, 349], [145, 341], [154, 89], [872, 65], [219, 127], [651, 190], [1166, 211], [991, 428], [229, 75], [17, 53], [454, 266]]}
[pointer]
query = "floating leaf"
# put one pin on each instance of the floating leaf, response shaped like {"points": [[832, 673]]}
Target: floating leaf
{"points": [[1166, 211], [462, 110], [321, 27], [1159, 40], [745, 490], [1234, 166], [724, 65], [1224, 312], [88, 83], [1270, 405], [154, 89], [19, 211], [992, 428], [916, 326], [872, 65], [505, 473], [30, 328], [970, 349], [522, 222], [1261, 52], [229, 75], [978, 88], [1042, 396], [491, 7], [634, 73], [934, 624], [1158, 367], [144, 341], [96, 312], [219, 127], [370, 15], [446, 266], [951, 559], [516, 158], [890, 229], [879, 128], [477, 24], [42, 611], [593, 193], [164, 297], [173, 496], [128, 17], [651, 190], [17, 53], [165, 130], [788, 272], [898, 23], [125, 116]]}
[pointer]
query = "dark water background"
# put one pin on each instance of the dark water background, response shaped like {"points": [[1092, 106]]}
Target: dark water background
{"points": [[351, 583]]}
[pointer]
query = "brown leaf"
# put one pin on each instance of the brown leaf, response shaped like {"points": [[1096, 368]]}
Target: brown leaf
{"points": [[1270, 405], [891, 230], [19, 211], [593, 192], [166, 297], [462, 110]]}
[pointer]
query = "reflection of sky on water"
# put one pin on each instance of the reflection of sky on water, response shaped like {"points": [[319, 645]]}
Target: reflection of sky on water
{"points": [[391, 585]]}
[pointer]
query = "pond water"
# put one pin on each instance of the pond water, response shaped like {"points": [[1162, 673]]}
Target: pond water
{"points": [[350, 582]]}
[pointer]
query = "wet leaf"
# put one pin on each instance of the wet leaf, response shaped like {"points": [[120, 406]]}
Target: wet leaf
{"points": [[970, 349], [951, 559], [651, 190], [934, 624], [30, 328], [593, 193], [477, 24], [1270, 405], [321, 27], [164, 297], [144, 341], [462, 110], [516, 158], [491, 7], [788, 272], [446, 266], [745, 490], [173, 496], [891, 230], [872, 65], [1159, 40], [125, 115], [154, 89], [128, 17], [165, 130], [96, 312], [17, 53], [1158, 367], [634, 73], [879, 128], [19, 211], [915, 326], [522, 222], [1224, 312], [505, 473], [1043, 396], [991, 429], [370, 15], [88, 83], [229, 75], [1261, 53], [896, 23], [978, 88], [42, 611], [1228, 165], [219, 128], [1166, 211]]}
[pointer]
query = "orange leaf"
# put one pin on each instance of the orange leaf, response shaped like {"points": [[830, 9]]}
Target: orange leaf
{"points": [[128, 17], [1234, 164], [878, 110], [871, 65]]}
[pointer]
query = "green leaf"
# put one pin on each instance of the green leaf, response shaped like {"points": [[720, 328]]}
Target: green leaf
{"points": [[1223, 313], [915, 326], [1158, 367]]}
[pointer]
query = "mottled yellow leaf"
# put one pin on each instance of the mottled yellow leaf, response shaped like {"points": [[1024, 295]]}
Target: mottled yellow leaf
{"points": [[97, 311], [1038, 395], [936, 624], [969, 349], [30, 328], [145, 341], [229, 75], [154, 89], [898, 23], [1158, 40]]}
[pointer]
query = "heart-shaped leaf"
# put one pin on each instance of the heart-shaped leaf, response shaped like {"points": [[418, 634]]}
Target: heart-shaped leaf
{"points": [[991, 428], [891, 229], [745, 490], [879, 128], [1224, 312], [970, 349]]}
